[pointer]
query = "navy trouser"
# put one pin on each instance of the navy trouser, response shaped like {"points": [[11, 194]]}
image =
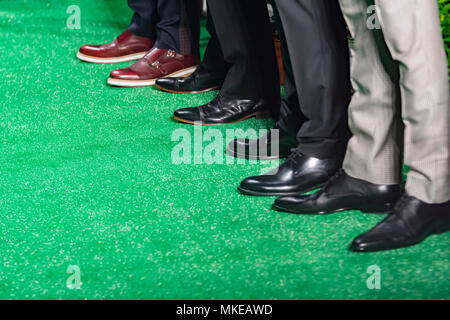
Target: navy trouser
{"points": [[173, 24]]}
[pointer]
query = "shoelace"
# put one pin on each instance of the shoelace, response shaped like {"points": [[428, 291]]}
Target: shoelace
{"points": [[395, 211], [295, 153]]}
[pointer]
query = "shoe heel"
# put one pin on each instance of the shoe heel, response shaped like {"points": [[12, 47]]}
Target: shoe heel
{"points": [[263, 115]]}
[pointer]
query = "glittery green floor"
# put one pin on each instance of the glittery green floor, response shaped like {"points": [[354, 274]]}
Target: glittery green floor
{"points": [[86, 179]]}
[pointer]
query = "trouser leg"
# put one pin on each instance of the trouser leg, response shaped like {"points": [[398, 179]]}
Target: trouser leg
{"points": [[318, 48], [412, 33], [213, 60], [144, 18], [264, 52], [291, 117], [244, 33], [173, 24], [374, 151], [189, 28]]}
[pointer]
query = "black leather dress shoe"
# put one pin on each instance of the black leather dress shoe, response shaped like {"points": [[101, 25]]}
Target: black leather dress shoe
{"points": [[199, 81], [343, 192], [273, 145], [222, 110], [298, 174], [409, 222]]}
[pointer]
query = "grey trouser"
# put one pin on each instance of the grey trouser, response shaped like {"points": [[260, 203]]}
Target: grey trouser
{"points": [[400, 76]]}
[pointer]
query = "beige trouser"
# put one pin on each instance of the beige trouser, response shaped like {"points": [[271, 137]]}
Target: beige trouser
{"points": [[400, 76]]}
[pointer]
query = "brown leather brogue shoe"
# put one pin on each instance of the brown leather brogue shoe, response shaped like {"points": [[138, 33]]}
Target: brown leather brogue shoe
{"points": [[126, 47]]}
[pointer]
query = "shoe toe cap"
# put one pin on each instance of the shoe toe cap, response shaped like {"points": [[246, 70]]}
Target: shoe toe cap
{"points": [[285, 201], [372, 240], [363, 243], [188, 114], [262, 185], [295, 204], [166, 83], [288, 201], [91, 50], [251, 183], [124, 74]]}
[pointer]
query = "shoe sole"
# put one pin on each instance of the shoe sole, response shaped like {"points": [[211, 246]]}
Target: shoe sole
{"points": [[91, 59], [283, 209], [232, 153], [386, 248], [257, 115], [187, 92], [277, 194], [145, 83]]}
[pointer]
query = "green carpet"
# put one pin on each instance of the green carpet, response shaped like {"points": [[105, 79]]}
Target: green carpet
{"points": [[86, 179]]}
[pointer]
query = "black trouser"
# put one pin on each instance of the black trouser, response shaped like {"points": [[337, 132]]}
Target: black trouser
{"points": [[213, 60], [316, 39], [245, 38], [173, 24], [291, 117]]}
